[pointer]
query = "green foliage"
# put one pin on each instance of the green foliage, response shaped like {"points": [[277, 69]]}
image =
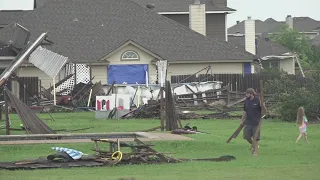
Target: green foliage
{"points": [[290, 94], [298, 43], [279, 156]]}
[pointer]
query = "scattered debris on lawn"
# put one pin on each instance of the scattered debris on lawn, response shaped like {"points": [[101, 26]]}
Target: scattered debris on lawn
{"points": [[188, 130], [141, 153]]}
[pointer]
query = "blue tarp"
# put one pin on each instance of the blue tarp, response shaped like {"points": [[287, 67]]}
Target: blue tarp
{"points": [[127, 74], [247, 68]]}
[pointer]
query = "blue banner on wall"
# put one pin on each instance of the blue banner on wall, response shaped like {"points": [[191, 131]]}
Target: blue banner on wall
{"points": [[127, 74]]}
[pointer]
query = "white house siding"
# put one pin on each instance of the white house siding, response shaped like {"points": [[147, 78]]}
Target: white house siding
{"points": [[101, 74], [288, 65]]}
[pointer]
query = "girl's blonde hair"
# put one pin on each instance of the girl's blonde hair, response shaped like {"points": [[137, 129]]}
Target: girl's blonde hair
{"points": [[300, 115]]}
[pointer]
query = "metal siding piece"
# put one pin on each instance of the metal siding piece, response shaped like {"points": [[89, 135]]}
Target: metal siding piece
{"points": [[49, 62]]}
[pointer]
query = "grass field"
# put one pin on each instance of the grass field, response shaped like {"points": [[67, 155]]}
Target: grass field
{"points": [[279, 157]]}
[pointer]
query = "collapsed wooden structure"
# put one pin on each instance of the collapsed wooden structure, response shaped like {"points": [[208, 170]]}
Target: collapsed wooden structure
{"points": [[141, 153], [31, 122]]}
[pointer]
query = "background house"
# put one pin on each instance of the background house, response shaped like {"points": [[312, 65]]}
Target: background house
{"points": [[271, 54], [122, 32], [215, 19], [304, 25]]}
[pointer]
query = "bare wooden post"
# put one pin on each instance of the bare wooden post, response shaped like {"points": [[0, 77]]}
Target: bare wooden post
{"points": [[228, 94], [54, 91], [118, 144], [6, 111], [75, 74], [162, 74], [162, 109], [0, 113], [236, 91], [50, 93]]}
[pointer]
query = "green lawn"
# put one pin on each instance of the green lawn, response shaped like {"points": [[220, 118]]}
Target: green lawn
{"points": [[279, 157]]}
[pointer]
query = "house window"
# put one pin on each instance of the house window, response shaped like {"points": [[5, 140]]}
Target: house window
{"points": [[130, 55], [267, 64], [274, 64]]}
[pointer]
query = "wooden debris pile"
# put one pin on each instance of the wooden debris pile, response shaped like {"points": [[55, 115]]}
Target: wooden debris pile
{"points": [[150, 110], [171, 115], [165, 109], [141, 153], [31, 122]]}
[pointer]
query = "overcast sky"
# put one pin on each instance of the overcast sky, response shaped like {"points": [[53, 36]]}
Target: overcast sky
{"points": [[257, 9], [277, 9]]}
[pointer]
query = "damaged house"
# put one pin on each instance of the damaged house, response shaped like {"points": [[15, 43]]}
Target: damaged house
{"points": [[121, 41]]}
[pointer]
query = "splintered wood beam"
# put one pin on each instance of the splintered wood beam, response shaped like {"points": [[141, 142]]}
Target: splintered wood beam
{"points": [[235, 134], [237, 102], [255, 142]]}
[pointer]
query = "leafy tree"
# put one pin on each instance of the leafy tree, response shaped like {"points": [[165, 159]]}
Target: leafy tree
{"points": [[298, 43], [290, 94]]}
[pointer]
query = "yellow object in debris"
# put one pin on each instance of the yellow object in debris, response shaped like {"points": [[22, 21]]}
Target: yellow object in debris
{"points": [[117, 156]]}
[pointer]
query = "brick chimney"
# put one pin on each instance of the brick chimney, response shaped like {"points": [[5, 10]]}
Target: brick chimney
{"points": [[250, 35], [289, 21], [197, 17]]}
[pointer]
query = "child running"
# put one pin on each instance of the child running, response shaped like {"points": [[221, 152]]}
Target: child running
{"points": [[302, 122]]}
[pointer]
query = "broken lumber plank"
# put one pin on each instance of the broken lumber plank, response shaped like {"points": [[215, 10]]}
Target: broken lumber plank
{"points": [[237, 102], [235, 134]]}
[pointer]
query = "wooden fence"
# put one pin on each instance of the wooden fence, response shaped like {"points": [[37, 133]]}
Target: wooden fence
{"points": [[238, 82], [214, 96]]}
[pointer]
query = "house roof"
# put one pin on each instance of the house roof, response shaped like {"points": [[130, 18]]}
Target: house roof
{"points": [[7, 17], [5, 50], [40, 3], [302, 24], [265, 47], [183, 5], [85, 31], [261, 26]]}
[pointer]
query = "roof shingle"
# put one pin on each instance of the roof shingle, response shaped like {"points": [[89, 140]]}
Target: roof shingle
{"points": [[183, 5], [265, 47], [86, 30], [7, 17]]}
